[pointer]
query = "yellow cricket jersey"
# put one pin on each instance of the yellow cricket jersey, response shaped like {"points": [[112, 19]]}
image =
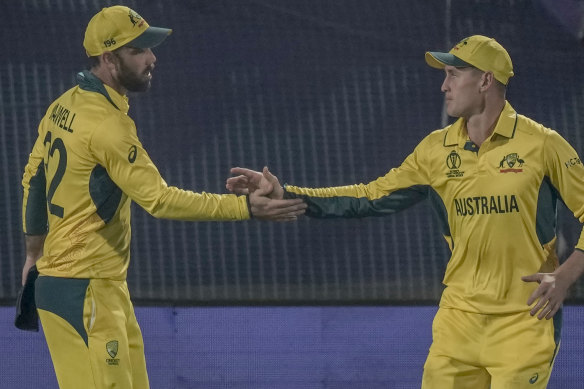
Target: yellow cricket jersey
{"points": [[497, 205], [86, 166]]}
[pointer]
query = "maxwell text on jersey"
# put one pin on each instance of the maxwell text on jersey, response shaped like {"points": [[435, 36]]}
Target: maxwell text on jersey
{"points": [[62, 117]]}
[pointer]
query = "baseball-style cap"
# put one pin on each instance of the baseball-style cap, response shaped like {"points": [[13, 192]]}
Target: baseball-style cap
{"points": [[482, 52], [117, 26]]}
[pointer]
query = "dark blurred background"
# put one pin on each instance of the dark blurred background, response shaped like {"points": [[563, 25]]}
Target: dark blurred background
{"points": [[326, 92]]}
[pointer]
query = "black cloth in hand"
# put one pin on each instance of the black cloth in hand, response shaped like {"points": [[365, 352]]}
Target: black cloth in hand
{"points": [[27, 317]]}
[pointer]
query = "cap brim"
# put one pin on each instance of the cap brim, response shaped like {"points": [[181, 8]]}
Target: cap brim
{"points": [[151, 37], [439, 60]]}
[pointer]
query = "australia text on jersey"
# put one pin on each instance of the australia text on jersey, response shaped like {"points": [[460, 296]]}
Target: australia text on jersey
{"points": [[484, 205]]}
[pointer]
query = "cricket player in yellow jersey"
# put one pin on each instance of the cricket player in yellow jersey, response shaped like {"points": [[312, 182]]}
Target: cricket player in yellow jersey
{"points": [[494, 177], [85, 168]]}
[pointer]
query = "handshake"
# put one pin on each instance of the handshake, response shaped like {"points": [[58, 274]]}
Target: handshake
{"points": [[266, 195]]}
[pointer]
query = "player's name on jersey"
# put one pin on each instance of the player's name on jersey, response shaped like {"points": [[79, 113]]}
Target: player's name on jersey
{"points": [[484, 205], [62, 117]]}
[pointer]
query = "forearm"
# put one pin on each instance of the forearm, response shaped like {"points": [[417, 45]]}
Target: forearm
{"points": [[34, 247], [573, 268], [178, 204], [34, 250], [355, 200]]}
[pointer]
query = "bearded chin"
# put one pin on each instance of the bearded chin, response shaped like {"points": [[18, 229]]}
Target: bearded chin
{"points": [[133, 83]]}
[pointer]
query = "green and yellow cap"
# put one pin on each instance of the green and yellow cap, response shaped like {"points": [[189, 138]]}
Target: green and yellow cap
{"points": [[117, 26], [482, 52]]}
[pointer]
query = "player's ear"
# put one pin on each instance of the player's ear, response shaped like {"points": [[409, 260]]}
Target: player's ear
{"points": [[487, 79], [109, 59]]}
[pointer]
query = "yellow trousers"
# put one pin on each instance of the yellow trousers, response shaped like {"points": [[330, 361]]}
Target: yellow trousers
{"points": [[478, 351], [92, 333]]}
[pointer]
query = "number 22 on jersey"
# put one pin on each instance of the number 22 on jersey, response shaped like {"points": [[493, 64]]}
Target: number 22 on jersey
{"points": [[56, 153]]}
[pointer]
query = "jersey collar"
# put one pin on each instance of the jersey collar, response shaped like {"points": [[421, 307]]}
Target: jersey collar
{"points": [[506, 126], [90, 82]]}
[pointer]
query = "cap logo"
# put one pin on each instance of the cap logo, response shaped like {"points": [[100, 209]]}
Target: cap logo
{"points": [[135, 18], [459, 44]]}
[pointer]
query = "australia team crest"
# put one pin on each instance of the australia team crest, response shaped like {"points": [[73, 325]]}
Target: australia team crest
{"points": [[511, 163]]}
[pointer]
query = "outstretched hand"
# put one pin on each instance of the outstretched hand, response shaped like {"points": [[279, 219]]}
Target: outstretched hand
{"points": [[248, 180], [553, 287], [550, 294], [266, 195]]}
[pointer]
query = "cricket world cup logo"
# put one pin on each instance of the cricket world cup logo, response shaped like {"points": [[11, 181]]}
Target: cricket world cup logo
{"points": [[453, 161]]}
